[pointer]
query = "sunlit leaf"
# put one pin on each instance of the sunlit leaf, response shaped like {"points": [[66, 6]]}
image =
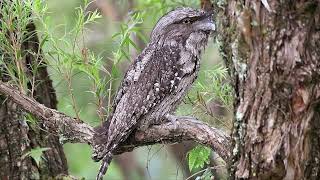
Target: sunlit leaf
{"points": [[198, 157]]}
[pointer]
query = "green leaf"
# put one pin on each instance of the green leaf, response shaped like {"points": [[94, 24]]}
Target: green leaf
{"points": [[115, 71], [134, 44], [30, 118], [43, 41], [36, 154], [198, 157]]}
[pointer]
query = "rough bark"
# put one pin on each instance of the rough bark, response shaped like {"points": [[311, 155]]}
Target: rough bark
{"points": [[17, 137], [272, 50]]}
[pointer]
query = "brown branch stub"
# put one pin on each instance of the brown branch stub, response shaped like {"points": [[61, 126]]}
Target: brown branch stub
{"points": [[71, 130]]}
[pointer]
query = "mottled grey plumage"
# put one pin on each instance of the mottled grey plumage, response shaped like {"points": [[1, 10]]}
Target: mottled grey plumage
{"points": [[157, 80]]}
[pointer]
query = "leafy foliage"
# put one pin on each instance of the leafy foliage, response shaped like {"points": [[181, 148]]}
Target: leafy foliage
{"points": [[198, 157], [126, 29], [218, 87], [68, 55], [11, 42], [214, 87]]}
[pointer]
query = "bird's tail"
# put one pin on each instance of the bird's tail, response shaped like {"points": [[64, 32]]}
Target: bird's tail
{"points": [[104, 166]]}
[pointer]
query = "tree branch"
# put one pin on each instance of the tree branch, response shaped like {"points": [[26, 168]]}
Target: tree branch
{"points": [[188, 129], [72, 130], [69, 129]]}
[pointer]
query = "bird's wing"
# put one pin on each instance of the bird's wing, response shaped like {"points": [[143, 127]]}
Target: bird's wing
{"points": [[139, 65], [147, 82]]}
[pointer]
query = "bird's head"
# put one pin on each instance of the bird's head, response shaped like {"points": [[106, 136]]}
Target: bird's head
{"points": [[183, 26]]}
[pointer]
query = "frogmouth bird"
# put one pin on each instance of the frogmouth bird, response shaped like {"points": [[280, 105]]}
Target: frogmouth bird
{"points": [[156, 81]]}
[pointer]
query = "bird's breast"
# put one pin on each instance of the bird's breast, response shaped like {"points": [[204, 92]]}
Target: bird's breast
{"points": [[179, 85]]}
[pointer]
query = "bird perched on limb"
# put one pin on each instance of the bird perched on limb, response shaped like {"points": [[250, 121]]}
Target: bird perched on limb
{"points": [[156, 81]]}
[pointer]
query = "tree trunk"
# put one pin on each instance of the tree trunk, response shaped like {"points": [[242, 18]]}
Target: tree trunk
{"points": [[17, 136], [272, 50]]}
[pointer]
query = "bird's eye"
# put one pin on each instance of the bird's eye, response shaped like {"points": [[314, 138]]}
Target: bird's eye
{"points": [[186, 21]]}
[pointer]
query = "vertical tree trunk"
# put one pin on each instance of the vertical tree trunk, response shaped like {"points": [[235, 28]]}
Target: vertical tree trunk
{"points": [[17, 137], [272, 50]]}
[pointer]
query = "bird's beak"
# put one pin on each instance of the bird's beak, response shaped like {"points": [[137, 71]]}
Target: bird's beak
{"points": [[206, 24]]}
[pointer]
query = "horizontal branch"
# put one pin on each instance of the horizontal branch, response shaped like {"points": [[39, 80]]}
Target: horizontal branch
{"points": [[73, 130], [187, 129]]}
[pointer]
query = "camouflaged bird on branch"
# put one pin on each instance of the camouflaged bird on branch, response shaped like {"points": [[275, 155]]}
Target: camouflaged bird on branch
{"points": [[157, 80]]}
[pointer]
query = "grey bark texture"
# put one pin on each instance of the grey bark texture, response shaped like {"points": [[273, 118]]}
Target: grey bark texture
{"points": [[272, 50]]}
